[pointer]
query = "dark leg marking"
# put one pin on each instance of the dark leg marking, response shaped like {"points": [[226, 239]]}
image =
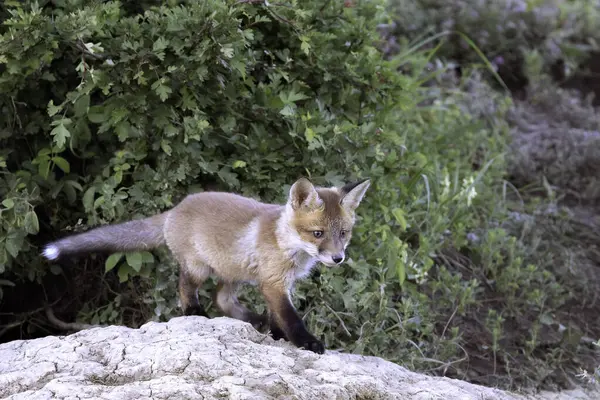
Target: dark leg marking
{"points": [[288, 321], [188, 295]]}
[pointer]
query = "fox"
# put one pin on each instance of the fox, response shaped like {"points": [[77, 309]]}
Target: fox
{"points": [[240, 240]]}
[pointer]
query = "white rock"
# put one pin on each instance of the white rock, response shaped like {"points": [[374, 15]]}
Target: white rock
{"points": [[221, 358]]}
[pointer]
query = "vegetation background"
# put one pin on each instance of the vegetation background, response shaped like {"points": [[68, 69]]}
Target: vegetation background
{"points": [[476, 252]]}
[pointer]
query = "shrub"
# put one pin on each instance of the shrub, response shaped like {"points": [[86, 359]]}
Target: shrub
{"points": [[114, 115]]}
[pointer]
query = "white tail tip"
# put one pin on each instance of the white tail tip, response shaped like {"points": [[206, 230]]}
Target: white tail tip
{"points": [[51, 252]]}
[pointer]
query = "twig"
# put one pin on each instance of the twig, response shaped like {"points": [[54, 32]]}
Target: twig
{"points": [[8, 327], [16, 112], [448, 323], [68, 326], [270, 6], [80, 45], [339, 319], [266, 3]]}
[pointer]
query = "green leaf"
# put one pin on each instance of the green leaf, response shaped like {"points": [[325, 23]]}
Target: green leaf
{"points": [[82, 105], [123, 272], [305, 45], [60, 134], [170, 131], [122, 129], [4, 282], [134, 259], [88, 198], [228, 177], [288, 110], [70, 192], [112, 261], [399, 215], [61, 121], [240, 66], [13, 246], [166, 147], [44, 152], [118, 176], [292, 96], [56, 189], [401, 271], [98, 202], [147, 257], [8, 203], [74, 184], [227, 51], [44, 167], [309, 134], [547, 319], [160, 45], [239, 164], [3, 259], [62, 164], [97, 115], [163, 91], [52, 109], [32, 225]]}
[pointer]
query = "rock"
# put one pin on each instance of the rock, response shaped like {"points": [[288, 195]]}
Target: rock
{"points": [[200, 358]]}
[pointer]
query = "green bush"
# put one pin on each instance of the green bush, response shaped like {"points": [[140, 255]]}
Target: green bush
{"points": [[111, 115]]}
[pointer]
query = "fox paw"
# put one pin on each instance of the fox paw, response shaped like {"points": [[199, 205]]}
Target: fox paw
{"points": [[311, 343], [195, 309], [259, 322], [277, 333], [314, 345]]}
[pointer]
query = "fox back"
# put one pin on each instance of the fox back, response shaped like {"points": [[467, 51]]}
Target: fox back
{"points": [[232, 235], [220, 231]]}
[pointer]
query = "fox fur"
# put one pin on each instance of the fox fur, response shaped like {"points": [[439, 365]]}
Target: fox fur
{"points": [[241, 240]]}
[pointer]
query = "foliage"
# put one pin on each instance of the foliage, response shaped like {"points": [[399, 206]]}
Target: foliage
{"points": [[112, 115], [536, 47], [563, 33]]}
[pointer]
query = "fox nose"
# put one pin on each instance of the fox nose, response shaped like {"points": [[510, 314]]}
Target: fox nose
{"points": [[337, 259]]}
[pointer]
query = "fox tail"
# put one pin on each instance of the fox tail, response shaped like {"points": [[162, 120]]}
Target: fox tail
{"points": [[142, 234]]}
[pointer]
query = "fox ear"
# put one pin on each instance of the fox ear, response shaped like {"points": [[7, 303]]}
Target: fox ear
{"points": [[304, 195], [352, 194]]}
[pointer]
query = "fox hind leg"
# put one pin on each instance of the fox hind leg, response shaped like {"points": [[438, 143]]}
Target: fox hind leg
{"points": [[226, 299], [189, 282]]}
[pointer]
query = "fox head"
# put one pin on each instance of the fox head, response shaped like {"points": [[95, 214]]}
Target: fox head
{"points": [[322, 218]]}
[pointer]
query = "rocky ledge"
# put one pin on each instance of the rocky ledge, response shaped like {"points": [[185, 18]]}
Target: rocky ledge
{"points": [[199, 358]]}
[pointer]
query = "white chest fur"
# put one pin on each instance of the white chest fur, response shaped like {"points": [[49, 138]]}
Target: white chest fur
{"points": [[304, 263]]}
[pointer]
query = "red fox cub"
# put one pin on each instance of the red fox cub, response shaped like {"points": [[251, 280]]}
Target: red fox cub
{"points": [[241, 240]]}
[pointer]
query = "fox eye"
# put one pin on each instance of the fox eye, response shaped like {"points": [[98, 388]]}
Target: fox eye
{"points": [[343, 233], [318, 234]]}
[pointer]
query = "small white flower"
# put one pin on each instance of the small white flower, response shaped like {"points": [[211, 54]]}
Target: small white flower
{"points": [[446, 185], [469, 189]]}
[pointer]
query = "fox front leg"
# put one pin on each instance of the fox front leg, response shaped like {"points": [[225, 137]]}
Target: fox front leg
{"points": [[274, 329], [285, 321]]}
